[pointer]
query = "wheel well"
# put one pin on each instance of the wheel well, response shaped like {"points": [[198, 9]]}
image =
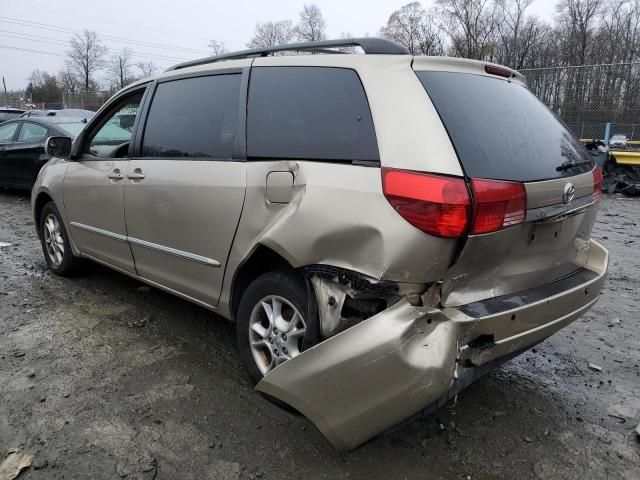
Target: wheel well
{"points": [[41, 200], [262, 260]]}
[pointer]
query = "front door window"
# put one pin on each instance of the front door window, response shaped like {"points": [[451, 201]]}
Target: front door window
{"points": [[112, 138]]}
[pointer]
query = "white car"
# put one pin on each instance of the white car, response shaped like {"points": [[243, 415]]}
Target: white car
{"points": [[618, 141]]}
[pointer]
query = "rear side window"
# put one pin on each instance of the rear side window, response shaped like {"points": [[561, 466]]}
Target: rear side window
{"points": [[312, 113], [500, 130], [31, 132], [194, 117]]}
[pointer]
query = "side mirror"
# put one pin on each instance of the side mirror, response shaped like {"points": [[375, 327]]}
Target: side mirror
{"points": [[59, 147]]}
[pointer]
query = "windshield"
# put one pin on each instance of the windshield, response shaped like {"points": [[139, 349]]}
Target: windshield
{"points": [[71, 128], [501, 131]]}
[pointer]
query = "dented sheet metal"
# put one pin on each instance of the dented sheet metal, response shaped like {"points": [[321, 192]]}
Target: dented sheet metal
{"points": [[367, 378], [377, 373], [533, 254], [332, 295]]}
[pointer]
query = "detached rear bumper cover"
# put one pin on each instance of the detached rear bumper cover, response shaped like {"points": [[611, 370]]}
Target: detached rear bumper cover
{"points": [[370, 377]]}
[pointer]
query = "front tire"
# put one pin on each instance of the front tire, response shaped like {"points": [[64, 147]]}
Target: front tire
{"points": [[277, 320], [55, 242]]}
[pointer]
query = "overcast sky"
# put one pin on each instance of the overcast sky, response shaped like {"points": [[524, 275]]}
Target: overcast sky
{"points": [[166, 32]]}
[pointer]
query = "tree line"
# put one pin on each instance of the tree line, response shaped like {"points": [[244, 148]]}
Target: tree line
{"points": [[554, 55], [557, 57], [87, 55]]}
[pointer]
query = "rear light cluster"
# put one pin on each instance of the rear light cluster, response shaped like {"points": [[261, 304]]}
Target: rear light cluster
{"points": [[433, 203], [500, 71], [597, 183], [497, 204], [443, 206]]}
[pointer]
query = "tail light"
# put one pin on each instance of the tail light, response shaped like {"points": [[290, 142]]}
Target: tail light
{"points": [[500, 71], [498, 204], [442, 206], [597, 183], [432, 203]]}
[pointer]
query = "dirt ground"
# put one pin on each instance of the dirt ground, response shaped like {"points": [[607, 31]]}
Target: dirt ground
{"points": [[102, 377]]}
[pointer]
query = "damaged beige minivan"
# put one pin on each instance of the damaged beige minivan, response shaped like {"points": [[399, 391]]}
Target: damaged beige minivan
{"points": [[383, 228]]}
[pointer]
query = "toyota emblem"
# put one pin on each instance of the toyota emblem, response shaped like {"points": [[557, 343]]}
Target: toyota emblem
{"points": [[569, 193]]}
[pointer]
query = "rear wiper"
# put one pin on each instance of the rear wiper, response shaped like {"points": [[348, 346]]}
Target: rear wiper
{"points": [[570, 164]]}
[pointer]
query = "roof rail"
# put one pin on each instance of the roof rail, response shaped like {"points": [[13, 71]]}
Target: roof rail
{"points": [[370, 45]]}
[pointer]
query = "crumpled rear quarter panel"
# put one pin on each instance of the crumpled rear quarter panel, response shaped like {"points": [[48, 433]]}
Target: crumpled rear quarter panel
{"points": [[338, 216], [383, 369]]}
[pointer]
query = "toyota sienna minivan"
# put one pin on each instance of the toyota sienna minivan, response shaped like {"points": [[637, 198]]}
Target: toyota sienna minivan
{"points": [[383, 228]]}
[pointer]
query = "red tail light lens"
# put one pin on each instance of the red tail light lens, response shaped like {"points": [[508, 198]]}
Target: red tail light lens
{"points": [[597, 183], [435, 204], [498, 204]]}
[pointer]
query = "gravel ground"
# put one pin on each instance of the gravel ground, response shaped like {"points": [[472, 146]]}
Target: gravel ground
{"points": [[102, 377]]}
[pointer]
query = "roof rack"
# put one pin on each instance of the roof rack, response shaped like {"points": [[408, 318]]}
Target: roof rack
{"points": [[370, 45]]}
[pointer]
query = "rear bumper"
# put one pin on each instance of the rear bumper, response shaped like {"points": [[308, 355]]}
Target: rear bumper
{"points": [[366, 379]]}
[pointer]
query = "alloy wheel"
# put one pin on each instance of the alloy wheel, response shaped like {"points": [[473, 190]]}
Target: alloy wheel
{"points": [[276, 332], [54, 243]]}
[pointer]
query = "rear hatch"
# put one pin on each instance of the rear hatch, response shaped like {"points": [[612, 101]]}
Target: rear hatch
{"points": [[502, 133]]}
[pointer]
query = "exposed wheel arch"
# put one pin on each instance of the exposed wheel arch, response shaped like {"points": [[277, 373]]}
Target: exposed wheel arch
{"points": [[260, 261]]}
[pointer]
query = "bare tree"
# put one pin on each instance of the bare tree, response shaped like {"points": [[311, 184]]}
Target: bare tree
{"points": [[312, 26], [620, 30], [268, 34], [37, 77], [86, 55], [517, 31], [146, 68], [43, 87], [471, 26], [578, 18], [414, 28], [68, 81], [119, 69], [217, 47]]}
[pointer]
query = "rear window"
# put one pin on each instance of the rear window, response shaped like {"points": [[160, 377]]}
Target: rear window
{"points": [[500, 130], [313, 113], [31, 132]]}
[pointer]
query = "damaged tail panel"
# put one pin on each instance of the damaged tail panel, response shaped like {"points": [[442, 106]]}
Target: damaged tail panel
{"points": [[367, 378]]}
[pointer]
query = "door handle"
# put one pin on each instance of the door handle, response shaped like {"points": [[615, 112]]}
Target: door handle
{"points": [[116, 175], [136, 174]]}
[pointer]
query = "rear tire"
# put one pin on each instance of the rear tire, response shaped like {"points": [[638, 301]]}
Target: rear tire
{"points": [[277, 320], [55, 243]]}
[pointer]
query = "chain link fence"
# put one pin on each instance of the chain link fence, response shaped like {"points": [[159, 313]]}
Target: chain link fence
{"points": [[84, 100], [588, 97], [12, 99]]}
